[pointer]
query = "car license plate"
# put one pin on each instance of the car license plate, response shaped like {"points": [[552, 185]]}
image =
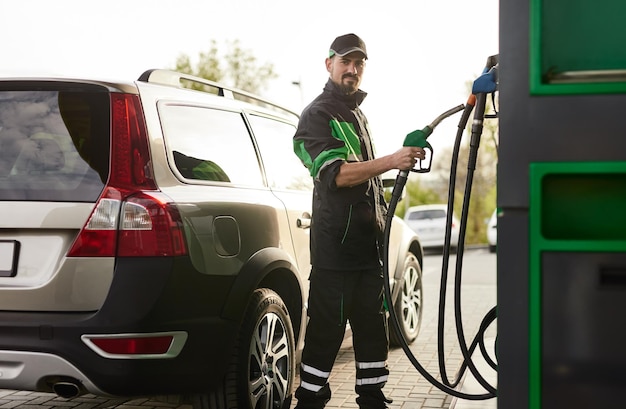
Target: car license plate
{"points": [[9, 253]]}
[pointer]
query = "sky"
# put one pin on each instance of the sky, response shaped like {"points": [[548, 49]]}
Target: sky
{"points": [[422, 53]]}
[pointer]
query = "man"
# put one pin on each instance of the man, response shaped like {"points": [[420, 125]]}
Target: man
{"points": [[349, 211]]}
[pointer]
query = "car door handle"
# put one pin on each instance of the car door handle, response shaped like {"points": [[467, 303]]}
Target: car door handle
{"points": [[304, 221]]}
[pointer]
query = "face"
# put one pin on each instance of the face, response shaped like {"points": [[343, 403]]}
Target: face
{"points": [[346, 71]]}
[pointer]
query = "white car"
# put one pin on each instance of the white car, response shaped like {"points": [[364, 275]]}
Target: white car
{"points": [[429, 223], [492, 231]]}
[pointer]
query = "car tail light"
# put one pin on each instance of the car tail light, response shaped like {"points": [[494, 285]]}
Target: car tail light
{"points": [[131, 166], [98, 237], [137, 346], [131, 217], [150, 226]]}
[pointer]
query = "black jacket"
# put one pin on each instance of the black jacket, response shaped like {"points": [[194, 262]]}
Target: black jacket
{"points": [[347, 222]]}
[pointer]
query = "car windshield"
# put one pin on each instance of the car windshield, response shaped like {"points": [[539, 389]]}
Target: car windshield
{"points": [[427, 214], [54, 144]]}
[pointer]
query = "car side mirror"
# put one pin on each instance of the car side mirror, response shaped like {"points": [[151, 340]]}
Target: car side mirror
{"points": [[388, 184]]}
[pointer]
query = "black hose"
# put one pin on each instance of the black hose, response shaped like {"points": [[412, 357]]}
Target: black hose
{"points": [[477, 127], [469, 106], [445, 386]]}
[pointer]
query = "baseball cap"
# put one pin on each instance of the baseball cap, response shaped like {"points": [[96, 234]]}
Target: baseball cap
{"points": [[346, 44]]}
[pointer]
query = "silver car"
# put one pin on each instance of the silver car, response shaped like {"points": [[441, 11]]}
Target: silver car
{"points": [[154, 241], [429, 223]]}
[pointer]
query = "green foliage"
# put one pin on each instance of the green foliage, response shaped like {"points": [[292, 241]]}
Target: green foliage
{"points": [[483, 184], [417, 193], [238, 68]]}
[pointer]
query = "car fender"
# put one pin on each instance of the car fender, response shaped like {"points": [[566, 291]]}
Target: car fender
{"points": [[402, 240], [271, 268]]}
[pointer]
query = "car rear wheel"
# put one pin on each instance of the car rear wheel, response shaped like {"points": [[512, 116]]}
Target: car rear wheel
{"points": [[408, 303], [262, 369]]}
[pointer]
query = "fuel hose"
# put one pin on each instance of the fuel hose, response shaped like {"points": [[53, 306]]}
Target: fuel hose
{"points": [[445, 385]]}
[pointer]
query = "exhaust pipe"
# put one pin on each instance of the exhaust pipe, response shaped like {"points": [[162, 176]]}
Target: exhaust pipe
{"points": [[68, 389]]}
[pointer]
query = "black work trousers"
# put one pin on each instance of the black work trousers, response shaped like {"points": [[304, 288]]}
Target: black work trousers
{"points": [[335, 298]]}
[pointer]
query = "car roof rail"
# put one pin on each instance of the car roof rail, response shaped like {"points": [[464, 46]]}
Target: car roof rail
{"points": [[180, 80]]}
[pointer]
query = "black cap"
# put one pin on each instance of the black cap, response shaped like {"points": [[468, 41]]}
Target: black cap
{"points": [[347, 44]]}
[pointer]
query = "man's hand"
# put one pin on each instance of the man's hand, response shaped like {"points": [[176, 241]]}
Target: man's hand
{"points": [[354, 173], [406, 158]]}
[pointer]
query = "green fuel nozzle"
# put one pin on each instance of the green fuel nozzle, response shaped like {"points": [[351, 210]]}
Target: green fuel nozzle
{"points": [[418, 138]]}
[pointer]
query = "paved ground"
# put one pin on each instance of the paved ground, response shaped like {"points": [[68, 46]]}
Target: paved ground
{"points": [[408, 389]]}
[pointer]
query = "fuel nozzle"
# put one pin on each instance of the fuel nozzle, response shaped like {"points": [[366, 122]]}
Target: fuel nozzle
{"points": [[418, 138]]}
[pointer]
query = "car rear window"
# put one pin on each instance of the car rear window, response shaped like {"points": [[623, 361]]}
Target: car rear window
{"points": [[210, 144], [54, 143]]}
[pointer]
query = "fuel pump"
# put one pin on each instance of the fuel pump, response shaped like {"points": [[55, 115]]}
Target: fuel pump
{"points": [[484, 85]]}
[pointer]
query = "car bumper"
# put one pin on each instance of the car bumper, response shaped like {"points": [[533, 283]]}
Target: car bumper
{"points": [[38, 349]]}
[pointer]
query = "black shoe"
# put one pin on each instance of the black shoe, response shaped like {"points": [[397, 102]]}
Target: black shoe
{"points": [[312, 400], [373, 400]]}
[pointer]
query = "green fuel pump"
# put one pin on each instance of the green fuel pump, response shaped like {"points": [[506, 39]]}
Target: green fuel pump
{"points": [[561, 257]]}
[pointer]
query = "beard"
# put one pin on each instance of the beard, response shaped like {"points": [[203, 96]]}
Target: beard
{"points": [[349, 87]]}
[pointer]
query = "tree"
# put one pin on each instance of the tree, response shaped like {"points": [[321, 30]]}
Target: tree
{"points": [[238, 68]]}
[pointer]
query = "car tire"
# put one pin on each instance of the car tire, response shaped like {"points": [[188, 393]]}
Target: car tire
{"points": [[262, 369], [408, 303]]}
